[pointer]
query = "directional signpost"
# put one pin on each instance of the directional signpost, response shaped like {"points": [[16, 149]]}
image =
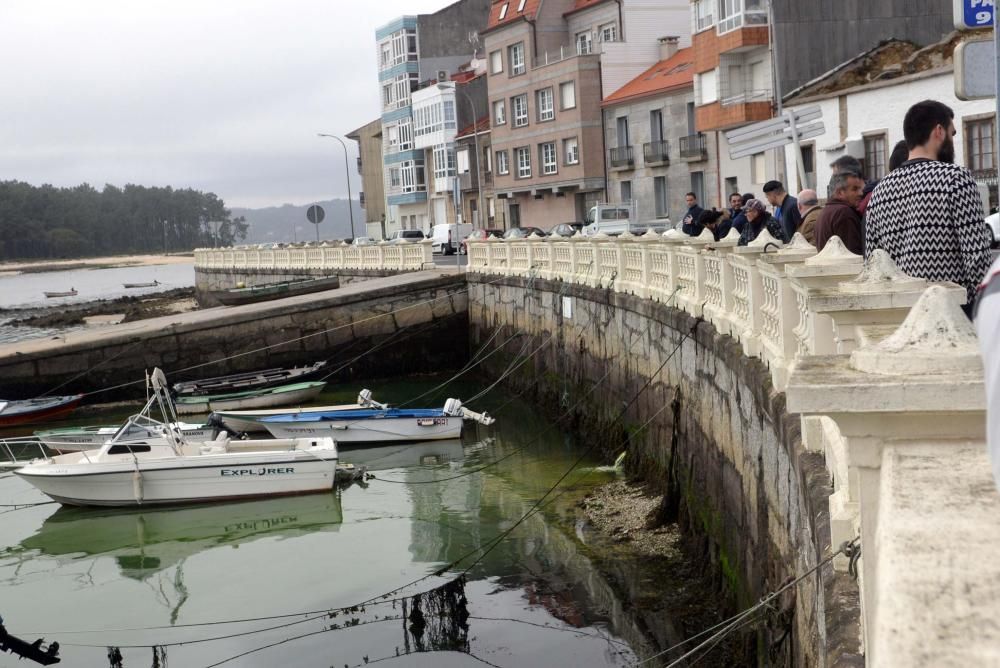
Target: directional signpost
{"points": [[793, 127]]}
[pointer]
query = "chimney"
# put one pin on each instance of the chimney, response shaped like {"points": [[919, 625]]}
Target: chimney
{"points": [[668, 46]]}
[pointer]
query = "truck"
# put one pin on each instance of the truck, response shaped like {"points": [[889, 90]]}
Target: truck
{"points": [[446, 237], [613, 219]]}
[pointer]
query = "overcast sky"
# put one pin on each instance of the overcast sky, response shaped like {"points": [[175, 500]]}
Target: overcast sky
{"points": [[218, 95]]}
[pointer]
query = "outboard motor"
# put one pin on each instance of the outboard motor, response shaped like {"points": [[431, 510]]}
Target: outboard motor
{"points": [[453, 407], [364, 397]]}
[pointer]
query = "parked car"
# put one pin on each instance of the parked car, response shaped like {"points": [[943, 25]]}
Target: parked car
{"points": [[407, 236], [522, 232], [993, 223], [445, 237], [565, 229], [479, 235], [362, 241]]}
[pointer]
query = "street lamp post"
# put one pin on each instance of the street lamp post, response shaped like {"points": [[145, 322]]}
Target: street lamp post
{"points": [[475, 139], [347, 175]]}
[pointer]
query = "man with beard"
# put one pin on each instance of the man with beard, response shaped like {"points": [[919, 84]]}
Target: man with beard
{"points": [[927, 214]]}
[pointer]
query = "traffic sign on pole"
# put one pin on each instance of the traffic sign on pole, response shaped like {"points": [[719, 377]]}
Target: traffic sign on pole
{"points": [[972, 14], [792, 127], [975, 62]]}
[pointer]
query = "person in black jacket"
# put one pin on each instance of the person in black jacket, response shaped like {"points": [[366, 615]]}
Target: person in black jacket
{"points": [[758, 219], [740, 217], [714, 221], [690, 220], [786, 208]]}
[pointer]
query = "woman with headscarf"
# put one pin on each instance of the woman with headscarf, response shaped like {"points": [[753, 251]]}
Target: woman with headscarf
{"points": [[757, 219]]}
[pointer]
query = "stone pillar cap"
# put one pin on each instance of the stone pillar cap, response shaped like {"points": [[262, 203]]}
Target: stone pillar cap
{"points": [[834, 252], [763, 239], [733, 235], [797, 246], [880, 275], [535, 236], [651, 234], [935, 339], [706, 237], [674, 234]]}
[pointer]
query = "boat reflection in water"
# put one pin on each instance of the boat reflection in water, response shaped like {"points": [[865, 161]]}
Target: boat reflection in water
{"points": [[408, 455], [145, 542]]}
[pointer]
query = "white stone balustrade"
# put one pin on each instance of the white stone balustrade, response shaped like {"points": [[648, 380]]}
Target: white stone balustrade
{"points": [[383, 256], [884, 371]]}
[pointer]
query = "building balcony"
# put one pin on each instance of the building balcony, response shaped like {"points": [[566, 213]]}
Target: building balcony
{"points": [[487, 179], [656, 153], [731, 114], [694, 147], [710, 45], [621, 157]]}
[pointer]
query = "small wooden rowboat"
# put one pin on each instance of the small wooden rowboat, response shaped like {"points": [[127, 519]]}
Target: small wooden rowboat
{"points": [[36, 410], [70, 293], [285, 395], [129, 286], [250, 380], [263, 293]]}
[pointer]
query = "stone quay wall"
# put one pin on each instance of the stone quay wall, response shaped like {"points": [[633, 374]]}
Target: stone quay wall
{"points": [[819, 401], [709, 431], [420, 318]]}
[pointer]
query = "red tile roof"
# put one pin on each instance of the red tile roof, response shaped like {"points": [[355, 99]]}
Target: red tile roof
{"points": [[511, 14], [579, 5], [482, 125], [674, 73]]}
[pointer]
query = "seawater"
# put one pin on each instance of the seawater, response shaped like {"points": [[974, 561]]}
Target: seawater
{"points": [[237, 580], [26, 290]]}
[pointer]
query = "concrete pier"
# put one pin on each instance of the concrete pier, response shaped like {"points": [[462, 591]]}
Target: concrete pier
{"points": [[336, 324]]}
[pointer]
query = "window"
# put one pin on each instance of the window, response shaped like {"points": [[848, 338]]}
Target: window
{"points": [[732, 186], [449, 114], [499, 113], [405, 135], [515, 58], [523, 157], [706, 89], [979, 145], [734, 14], [809, 164], [385, 51], [660, 196], [545, 104], [691, 119], [567, 95], [520, 5], [503, 12], [626, 191], [656, 125], [702, 14], [758, 168], [875, 156], [519, 110], [502, 165], [571, 151], [622, 130], [547, 152], [698, 185], [394, 181], [496, 62], [444, 162], [583, 44], [609, 32], [387, 95], [411, 174], [487, 161]]}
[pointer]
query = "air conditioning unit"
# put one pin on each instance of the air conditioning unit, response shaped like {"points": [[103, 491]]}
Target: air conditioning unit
{"points": [[443, 76]]}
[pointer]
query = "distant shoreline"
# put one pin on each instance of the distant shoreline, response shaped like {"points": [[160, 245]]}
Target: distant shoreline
{"points": [[93, 263]]}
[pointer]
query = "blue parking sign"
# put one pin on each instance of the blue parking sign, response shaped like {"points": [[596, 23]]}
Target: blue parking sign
{"points": [[971, 14]]}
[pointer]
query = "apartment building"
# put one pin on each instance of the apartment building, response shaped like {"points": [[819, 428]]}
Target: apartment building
{"points": [[474, 159], [741, 45], [545, 85], [416, 52], [654, 156], [372, 195]]}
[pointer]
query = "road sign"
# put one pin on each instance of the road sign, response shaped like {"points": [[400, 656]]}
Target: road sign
{"points": [[975, 65], [792, 127], [972, 14], [315, 214]]}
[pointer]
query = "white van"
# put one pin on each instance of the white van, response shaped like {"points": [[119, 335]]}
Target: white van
{"points": [[614, 219], [445, 238]]}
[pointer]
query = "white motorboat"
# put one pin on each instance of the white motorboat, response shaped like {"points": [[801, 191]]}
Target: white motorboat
{"points": [[381, 425], [74, 439], [250, 420], [128, 472]]}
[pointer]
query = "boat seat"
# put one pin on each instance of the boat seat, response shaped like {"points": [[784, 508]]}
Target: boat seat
{"points": [[218, 446]]}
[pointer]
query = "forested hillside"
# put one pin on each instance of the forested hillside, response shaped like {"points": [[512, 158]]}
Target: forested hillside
{"points": [[49, 222]]}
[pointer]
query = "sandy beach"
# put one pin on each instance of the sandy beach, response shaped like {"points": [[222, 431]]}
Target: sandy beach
{"points": [[10, 268]]}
